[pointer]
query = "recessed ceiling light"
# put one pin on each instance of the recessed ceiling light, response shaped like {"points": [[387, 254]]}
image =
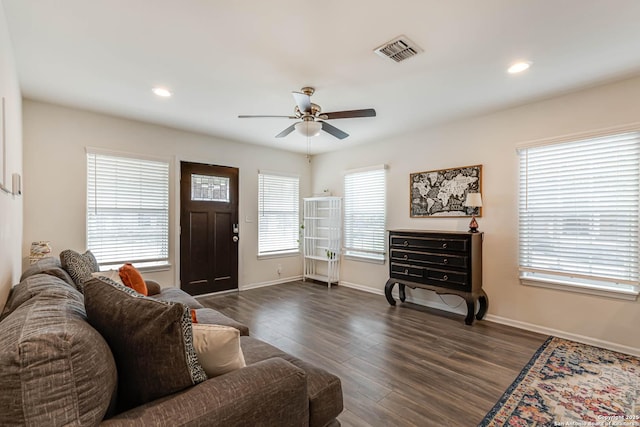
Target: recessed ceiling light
{"points": [[518, 67], [160, 91]]}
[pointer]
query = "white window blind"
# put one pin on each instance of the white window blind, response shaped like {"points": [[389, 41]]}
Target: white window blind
{"points": [[365, 213], [579, 207], [278, 214], [127, 210]]}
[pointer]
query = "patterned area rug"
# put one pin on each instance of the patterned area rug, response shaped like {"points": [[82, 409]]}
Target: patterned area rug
{"points": [[571, 384]]}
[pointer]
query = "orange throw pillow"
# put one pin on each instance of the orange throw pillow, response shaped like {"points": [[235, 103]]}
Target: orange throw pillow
{"points": [[132, 278]]}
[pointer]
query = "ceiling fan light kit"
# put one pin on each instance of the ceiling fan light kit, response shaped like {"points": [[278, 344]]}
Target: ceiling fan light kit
{"points": [[308, 128], [313, 119]]}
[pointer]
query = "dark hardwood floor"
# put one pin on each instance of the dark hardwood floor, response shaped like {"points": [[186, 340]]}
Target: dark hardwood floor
{"points": [[406, 365]]}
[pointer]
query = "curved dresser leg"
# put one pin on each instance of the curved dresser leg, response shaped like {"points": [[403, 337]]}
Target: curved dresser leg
{"points": [[471, 308], [403, 295], [387, 291], [484, 305]]}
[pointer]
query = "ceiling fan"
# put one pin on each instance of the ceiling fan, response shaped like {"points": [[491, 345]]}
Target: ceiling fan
{"points": [[313, 119]]}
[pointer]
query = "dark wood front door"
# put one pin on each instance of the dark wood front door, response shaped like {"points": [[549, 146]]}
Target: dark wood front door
{"points": [[208, 228]]}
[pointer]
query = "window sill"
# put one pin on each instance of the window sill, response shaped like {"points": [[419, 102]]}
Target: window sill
{"points": [[143, 269], [279, 255], [624, 292], [151, 269], [364, 259]]}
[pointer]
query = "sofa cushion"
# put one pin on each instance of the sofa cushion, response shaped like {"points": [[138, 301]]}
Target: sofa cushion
{"points": [[51, 266], [213, 317], [55, 369], [324, 389], [42, 283], [79, 266], [268, 393], [218, 348], [177, 295], [151, 341]]}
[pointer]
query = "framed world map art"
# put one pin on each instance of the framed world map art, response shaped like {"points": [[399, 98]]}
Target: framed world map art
{"points": [[442, 193]]}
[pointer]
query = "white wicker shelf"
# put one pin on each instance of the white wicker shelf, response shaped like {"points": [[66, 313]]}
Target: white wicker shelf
{"points": [[322, 240]]}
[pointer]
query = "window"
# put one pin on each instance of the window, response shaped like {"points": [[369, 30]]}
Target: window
{"points": [[579, 207], [127, 210], [365, 213], [278, 214]]}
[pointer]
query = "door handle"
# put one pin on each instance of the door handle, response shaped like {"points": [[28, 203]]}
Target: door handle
{"points": [[235, 239]]}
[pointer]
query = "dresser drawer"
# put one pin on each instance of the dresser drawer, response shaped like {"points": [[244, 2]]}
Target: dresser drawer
{"points": [[430, 276], [406, 271], [410, 242], [447, 278], [444, 260]]}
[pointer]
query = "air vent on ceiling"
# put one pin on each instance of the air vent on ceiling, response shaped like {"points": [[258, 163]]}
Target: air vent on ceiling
{"points": [[398, 49]]}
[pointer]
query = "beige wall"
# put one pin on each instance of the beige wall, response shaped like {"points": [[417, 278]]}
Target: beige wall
{"points": [[54, 185], [55, 139], [490, 140], [10, 205]]}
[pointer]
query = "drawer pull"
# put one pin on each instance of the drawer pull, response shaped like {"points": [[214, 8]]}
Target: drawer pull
{"points": [[406, 243], [445, 261], [406, 256], [406, 271], [444, 246], [445, 277]]}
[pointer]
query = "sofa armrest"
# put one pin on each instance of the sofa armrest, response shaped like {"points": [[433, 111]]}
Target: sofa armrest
{"points": [[153, 287], [270, 392]]}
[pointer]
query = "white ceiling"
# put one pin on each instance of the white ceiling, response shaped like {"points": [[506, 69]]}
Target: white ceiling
{"points": [[222, 58]]}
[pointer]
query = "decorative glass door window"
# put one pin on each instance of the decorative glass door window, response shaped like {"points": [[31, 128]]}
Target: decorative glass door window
{"points": [[209, 188]]}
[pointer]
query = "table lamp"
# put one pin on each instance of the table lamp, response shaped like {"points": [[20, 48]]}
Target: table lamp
{"points": [[474, 201], [39, 250]]}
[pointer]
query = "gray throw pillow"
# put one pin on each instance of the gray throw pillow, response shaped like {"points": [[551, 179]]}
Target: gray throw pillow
{"points": [[79, 266], [151, 341]]}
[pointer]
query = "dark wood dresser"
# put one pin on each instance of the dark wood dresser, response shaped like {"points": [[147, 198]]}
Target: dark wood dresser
{"points": [[446, 262]]}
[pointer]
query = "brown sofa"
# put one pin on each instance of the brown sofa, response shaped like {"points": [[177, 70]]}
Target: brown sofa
{"points": [[56, 369]]}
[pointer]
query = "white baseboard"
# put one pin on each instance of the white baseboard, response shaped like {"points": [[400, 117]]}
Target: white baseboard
{"points": [[361, 287], [562, 334], [505, 321], [230, 291], [269, 283]]}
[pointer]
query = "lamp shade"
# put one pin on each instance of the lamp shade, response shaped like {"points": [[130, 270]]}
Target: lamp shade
{"points": [[309, 128], [474, 200]]}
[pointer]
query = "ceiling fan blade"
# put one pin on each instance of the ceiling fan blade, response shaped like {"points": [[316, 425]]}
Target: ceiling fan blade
{"points": [[369, 112], [287, 131], [253, 117], [334, 131], [303, 101]]}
